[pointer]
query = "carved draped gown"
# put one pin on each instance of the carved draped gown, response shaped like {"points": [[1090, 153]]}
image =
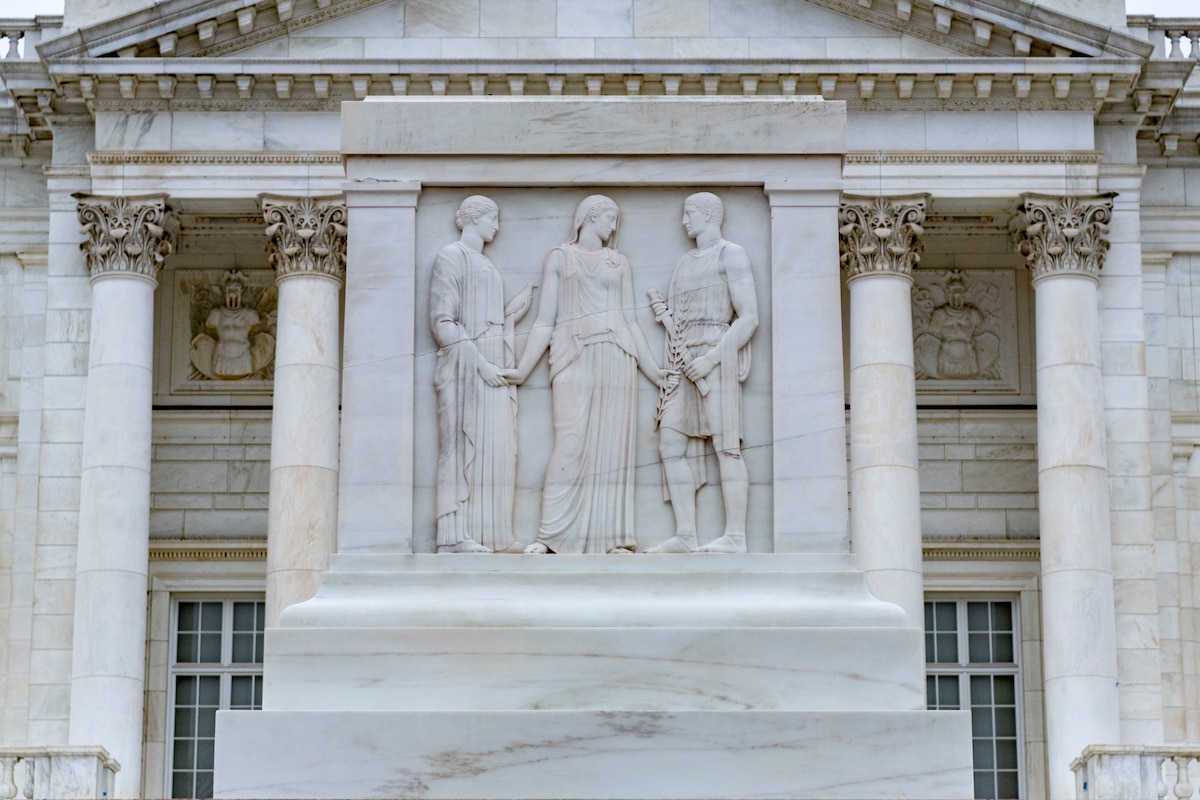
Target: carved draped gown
{"points": [[477, 453], [587, 500]]}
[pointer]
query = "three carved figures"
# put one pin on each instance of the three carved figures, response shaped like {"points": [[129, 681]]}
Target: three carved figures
{"points": [[586, 320]]}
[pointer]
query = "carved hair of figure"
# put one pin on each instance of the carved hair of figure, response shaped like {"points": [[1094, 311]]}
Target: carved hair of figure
{"points": [[708, 203], [589, 210], [472, 208]]}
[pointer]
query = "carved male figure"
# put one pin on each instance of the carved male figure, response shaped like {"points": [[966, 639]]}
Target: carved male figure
{"points": [[710, 313], [477, 406], [954, 343], [226, 350]]}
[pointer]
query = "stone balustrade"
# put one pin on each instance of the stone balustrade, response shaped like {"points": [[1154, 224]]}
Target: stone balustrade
{"points": [[1119, 772], [1173, 37], [41, 773], [18, 36]]}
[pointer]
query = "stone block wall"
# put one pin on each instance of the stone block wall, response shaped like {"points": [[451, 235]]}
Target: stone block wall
{"points": [[978, 474], [210, 474]]}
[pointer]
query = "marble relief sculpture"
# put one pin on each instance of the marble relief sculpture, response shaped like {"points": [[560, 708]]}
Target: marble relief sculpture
{"points": [[233, 330], [710, 313], [477, 405], [955, 334], [586, 319]]}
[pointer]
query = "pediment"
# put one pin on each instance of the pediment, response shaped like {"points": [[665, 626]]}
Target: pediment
{"points": [[599, 29]]}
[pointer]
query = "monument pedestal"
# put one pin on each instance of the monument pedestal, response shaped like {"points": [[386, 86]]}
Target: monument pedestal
{"points": [[642, 676]]}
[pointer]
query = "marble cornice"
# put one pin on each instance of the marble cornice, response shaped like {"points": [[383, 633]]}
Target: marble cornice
{"points": [[193, 553]]}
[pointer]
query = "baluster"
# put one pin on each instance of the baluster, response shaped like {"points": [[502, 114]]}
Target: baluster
{"points": [[1174, 36], [1162, 776], [1194, 38], [29, 773], [1183, 787], [7, 787], [14, 39]]}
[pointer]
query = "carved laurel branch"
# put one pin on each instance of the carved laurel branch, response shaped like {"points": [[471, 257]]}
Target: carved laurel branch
{"points": [[881, 234], [126, 234], [306, 234], [1063, 234]]}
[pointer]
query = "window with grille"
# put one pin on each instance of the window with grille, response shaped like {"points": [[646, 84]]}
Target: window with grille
{"points": [[971, 663], [216, 663]]}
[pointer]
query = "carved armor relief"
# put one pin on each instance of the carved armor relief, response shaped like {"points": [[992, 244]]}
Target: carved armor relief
{"points": [[223, 331], [965, 330]]}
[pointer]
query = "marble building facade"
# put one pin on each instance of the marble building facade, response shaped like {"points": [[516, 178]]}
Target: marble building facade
{"points": [[972, 231]]}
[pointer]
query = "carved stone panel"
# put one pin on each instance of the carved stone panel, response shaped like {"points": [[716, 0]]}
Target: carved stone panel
{"points": [[965, 330], [223, 332]]}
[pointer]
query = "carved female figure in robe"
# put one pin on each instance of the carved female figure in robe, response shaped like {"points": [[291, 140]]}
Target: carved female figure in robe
{"points": [[477, 407], [586, 319]]}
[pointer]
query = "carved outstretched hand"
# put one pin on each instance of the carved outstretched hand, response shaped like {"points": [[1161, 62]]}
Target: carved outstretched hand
{"points": [[658, 304], [519, 305], [699, 368], [490, 373], [668, 379]]}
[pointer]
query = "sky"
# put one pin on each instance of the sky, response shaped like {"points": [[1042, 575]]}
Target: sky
{"points": [[1163, 8]]}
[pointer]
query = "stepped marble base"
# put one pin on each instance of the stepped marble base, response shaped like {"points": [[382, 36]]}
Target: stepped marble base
{"points": [[558, 755], [645, 676]]}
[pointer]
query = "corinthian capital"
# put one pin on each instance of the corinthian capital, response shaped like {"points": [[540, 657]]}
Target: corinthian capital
{"points": [[307, 235], [881, 234], [132, 235], [1063, 235]]}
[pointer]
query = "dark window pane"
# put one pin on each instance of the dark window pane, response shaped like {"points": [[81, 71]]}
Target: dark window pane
{"points": [[978, 650], [1006, 721], [929, 616], [1006, 690], [185, 690], [210, 648], [930, 653], [945, 616], [210, 690], [189, 616], [981, 722], [947, 648], [948, 691], [204, 755], [206, 722], [985, 786], [210, 617], [185, 721], [1002, 648], [1006, 786], [187, 648], [258, 686], [981, 690], [241, 691], [181, 784], [243, 648], [204, 783], [1006, 753], [258, 648], [185, 754], [243, 617], [1002, 617], [978, 617], [983, 754]]}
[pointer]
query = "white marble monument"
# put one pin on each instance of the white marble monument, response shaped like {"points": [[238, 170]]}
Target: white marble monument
{"points": [[585, 667]]}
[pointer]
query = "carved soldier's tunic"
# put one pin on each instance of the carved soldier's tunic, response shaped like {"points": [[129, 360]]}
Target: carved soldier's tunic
{"points": [[702, 312], [477, 452], [232, 357]]}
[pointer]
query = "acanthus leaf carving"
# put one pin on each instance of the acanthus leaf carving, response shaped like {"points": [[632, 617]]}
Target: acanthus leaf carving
{"points": [[126, 234], [881, 234], [306, 235], [1063, 235]]}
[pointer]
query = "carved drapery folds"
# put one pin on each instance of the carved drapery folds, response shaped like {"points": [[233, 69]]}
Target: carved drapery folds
{"points": [[1059, 235], [126, 234], [881, 234], [307, 235]]}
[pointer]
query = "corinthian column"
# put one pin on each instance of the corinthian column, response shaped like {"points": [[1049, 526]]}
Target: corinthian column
{"points": [[1064, 242], [308, 251], [880, 244], [127, 239]]}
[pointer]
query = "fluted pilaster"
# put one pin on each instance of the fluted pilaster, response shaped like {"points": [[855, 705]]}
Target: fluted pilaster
{"points": [[880, 245], [1064, 243], [126, 241], [307, 241]]}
